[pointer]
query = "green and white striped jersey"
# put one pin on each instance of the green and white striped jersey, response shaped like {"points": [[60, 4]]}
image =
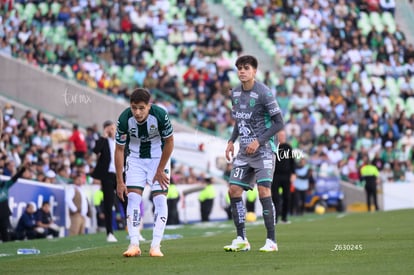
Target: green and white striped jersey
{"points": [[144, 140]]}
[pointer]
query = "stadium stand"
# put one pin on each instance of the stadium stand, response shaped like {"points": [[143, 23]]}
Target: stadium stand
{"points": [[339, 61], [339, 64]]}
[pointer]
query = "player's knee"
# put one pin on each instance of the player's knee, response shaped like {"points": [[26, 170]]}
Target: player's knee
{"points": [[235, 191], [264, 189]]}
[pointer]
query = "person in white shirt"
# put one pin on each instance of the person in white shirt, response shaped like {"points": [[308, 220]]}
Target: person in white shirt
{"points": [[349, 127], [335, 155], [387, 6], [292, 127], [323, 103]]}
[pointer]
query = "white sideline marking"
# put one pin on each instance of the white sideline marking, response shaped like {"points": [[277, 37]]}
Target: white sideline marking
{"points": [[72, 251]]}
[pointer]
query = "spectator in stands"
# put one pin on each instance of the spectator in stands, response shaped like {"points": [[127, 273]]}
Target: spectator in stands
{"points": [[387, 6], [79, 143]]}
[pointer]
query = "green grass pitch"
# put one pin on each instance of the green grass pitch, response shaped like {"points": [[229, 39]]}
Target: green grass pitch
{"points": [[359, 243]]}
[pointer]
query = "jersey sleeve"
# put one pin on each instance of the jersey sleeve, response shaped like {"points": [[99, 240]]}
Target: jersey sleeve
{"points": [[122, 128], [165, 125], [271, 104]]}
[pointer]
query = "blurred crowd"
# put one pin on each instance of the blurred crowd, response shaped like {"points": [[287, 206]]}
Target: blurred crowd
{"points": [[346, 84], [113, 46], [56, 154]]}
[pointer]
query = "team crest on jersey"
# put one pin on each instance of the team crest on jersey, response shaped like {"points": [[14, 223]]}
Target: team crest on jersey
{"points": [[252, 102], [133, 132]]}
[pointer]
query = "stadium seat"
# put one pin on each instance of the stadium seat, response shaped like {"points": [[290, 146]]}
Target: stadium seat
{"points": [[263, 23], [398, 101], [409, 106], [290, 82], [386, 102], [19, 7], [375, 20], [55, 7], [388, 20], [269, 46], [47, 31], [44, 8], [128, 71], [115, 69]]}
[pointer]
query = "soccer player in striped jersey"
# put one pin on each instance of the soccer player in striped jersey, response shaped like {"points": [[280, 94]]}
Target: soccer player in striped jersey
{"points": [[145, 137], [258, 118]]}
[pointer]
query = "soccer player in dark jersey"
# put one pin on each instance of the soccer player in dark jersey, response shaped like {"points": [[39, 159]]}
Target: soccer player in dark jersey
{"points": [[258, 118]]}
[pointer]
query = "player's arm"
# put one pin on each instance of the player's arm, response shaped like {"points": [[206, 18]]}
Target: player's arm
{"points": [[276, 118], [121, 188], [166, 152], [230, 143], [276, 126], [121, 137], [166, 132]]}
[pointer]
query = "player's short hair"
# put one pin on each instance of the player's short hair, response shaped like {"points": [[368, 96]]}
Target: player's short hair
{"points": [[247, 59], [140, 95]]}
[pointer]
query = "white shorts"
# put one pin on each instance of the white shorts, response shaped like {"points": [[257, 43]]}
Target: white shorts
{"points": [[139, 172]]}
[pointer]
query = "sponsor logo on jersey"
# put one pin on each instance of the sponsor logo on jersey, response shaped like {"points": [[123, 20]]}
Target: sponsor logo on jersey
{"points": [[237, 94], [243, 115], [254, 95], [123, 138], [152, 128], [243, 129], [274, 110]]}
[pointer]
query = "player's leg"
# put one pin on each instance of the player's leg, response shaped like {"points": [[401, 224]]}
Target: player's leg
{"points": [[135, 177], [160, 207], [264, 171], [240, 178], [160, 221]]}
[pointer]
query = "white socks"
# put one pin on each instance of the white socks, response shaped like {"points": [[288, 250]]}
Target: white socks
{"points": [[160, 219], [133, 217]]}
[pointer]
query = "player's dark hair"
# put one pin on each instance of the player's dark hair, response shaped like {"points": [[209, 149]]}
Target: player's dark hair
{"points": [[247, 59], [140, 95]]}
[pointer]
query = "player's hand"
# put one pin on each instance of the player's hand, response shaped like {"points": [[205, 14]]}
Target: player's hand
{"points": [[230, 151], [121, 190], [162, 179], [252, 147]]}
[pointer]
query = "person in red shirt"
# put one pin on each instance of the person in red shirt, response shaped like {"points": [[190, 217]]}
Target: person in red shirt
{"points": [[78, 140], [126, 24]]}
